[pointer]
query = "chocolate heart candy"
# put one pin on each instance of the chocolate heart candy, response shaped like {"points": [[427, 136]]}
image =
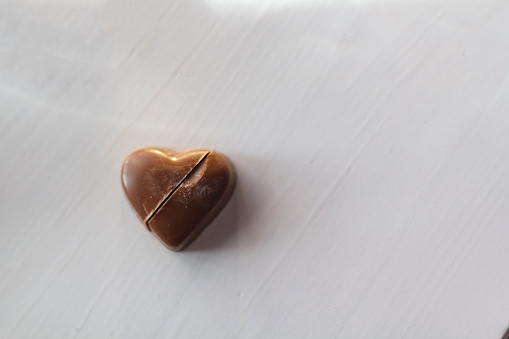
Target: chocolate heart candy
{"points": [[177, 195]]}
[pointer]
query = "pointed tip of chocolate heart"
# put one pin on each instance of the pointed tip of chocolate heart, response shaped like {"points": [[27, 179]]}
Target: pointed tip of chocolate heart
{"points": [[177, 195]]}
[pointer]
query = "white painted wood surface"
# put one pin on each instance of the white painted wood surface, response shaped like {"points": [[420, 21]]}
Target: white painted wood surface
{"points": [[371, 141]]}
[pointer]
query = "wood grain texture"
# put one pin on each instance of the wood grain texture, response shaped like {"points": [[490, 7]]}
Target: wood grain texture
{"points": [[371, 141]]}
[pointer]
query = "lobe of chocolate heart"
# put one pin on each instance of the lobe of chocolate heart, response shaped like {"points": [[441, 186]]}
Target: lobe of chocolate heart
{"points": [[177, 196]]}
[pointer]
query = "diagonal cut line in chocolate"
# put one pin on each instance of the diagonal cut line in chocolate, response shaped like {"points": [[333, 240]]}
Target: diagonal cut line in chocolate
{"points": [[174, 190]]}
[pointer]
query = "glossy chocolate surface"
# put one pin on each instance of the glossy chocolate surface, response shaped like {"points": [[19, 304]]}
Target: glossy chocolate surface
{"points": [[177, 195]]}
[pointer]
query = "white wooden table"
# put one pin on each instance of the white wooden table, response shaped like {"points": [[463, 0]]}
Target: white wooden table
{"points": [[371, 140]]}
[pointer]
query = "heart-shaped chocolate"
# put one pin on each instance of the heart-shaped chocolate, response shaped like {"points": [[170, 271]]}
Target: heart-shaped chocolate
{"points": [[177, 195]]}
